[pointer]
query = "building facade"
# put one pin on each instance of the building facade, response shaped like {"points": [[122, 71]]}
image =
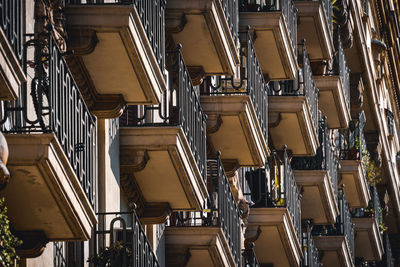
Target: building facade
{"points": [[201, 133]]}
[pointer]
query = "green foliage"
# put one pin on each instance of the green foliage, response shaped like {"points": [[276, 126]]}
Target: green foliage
{"points": [[8, 242]]}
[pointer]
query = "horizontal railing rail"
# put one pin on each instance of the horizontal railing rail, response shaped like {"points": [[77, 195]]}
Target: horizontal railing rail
{"points": [[221, 209], [303, 85], [324, 159], [280, 190], [310, 251], [287, 7], [152, 16], [180, 106], [251, 82], [11, 22], [120, 240], [54, 104], [231, 10]]}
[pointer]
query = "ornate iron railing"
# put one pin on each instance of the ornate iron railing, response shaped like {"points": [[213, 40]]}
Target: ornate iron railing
{"points": [[249, 256], [231, 10], [11, 22], [340, 67], [251, 82], [120, 240], [152, 16], [221, 209], [325, 158], [287, 7], [279, 190], [343, 226], [373, 210], [352, 141], [180, 106], [387, 259], [304, 85], [53, 104], [390, 121], [310, 251]]}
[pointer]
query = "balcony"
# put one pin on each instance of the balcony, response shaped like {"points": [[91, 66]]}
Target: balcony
{"points": [[337, 242], [334, 90], [118, 54], [310, 251], [120, 240], [211, 237], [293, 111], [352, 169], [52, 140], [368, 240], [237, 110], [214, 49], [163, 147], [274, 222], [315, 25], [11, 41], [318, 178], [274, 26]]}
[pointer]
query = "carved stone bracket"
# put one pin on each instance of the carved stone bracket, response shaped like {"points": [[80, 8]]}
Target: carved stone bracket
{"points": [[214, 122], [356, 91], [252, 234], [155, 213], [33, 243], [132, 191], [374, 147], [133, 160], [230, 166], [197, 74]]}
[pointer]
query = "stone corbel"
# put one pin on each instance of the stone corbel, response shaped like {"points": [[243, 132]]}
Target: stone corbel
{"points": [[133, 160], [33, 243], [155, 213], [356, 91], [252, 234], [214, 122], [197, 74], [374, 147], [230, 166]]}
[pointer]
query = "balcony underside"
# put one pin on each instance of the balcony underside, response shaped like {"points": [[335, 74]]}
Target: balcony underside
{"points": [[233, 129], [356, 185], [318, 201], [11, 73], [335, 251], [197, 247], [163, 166], [272, 231], [273, 46], [313, 26], [113, 62], [201, 27], [368, 240], [44, 193], [332, 101], [290, 123]]}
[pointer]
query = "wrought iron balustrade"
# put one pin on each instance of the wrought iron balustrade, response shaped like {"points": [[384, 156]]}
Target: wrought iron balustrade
{"points": [[343, 226], [275, 186], [152, 16], [231, 10], [249, 256], [221, 209], [352, 140], [325, 158], [180, 106], [304, 85], [11, 20], [251, 82], [387, 258], [390, 121], [53, 104], [340, 66], [120, 240], [373, 210], [310, 251], [287, 8]]}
